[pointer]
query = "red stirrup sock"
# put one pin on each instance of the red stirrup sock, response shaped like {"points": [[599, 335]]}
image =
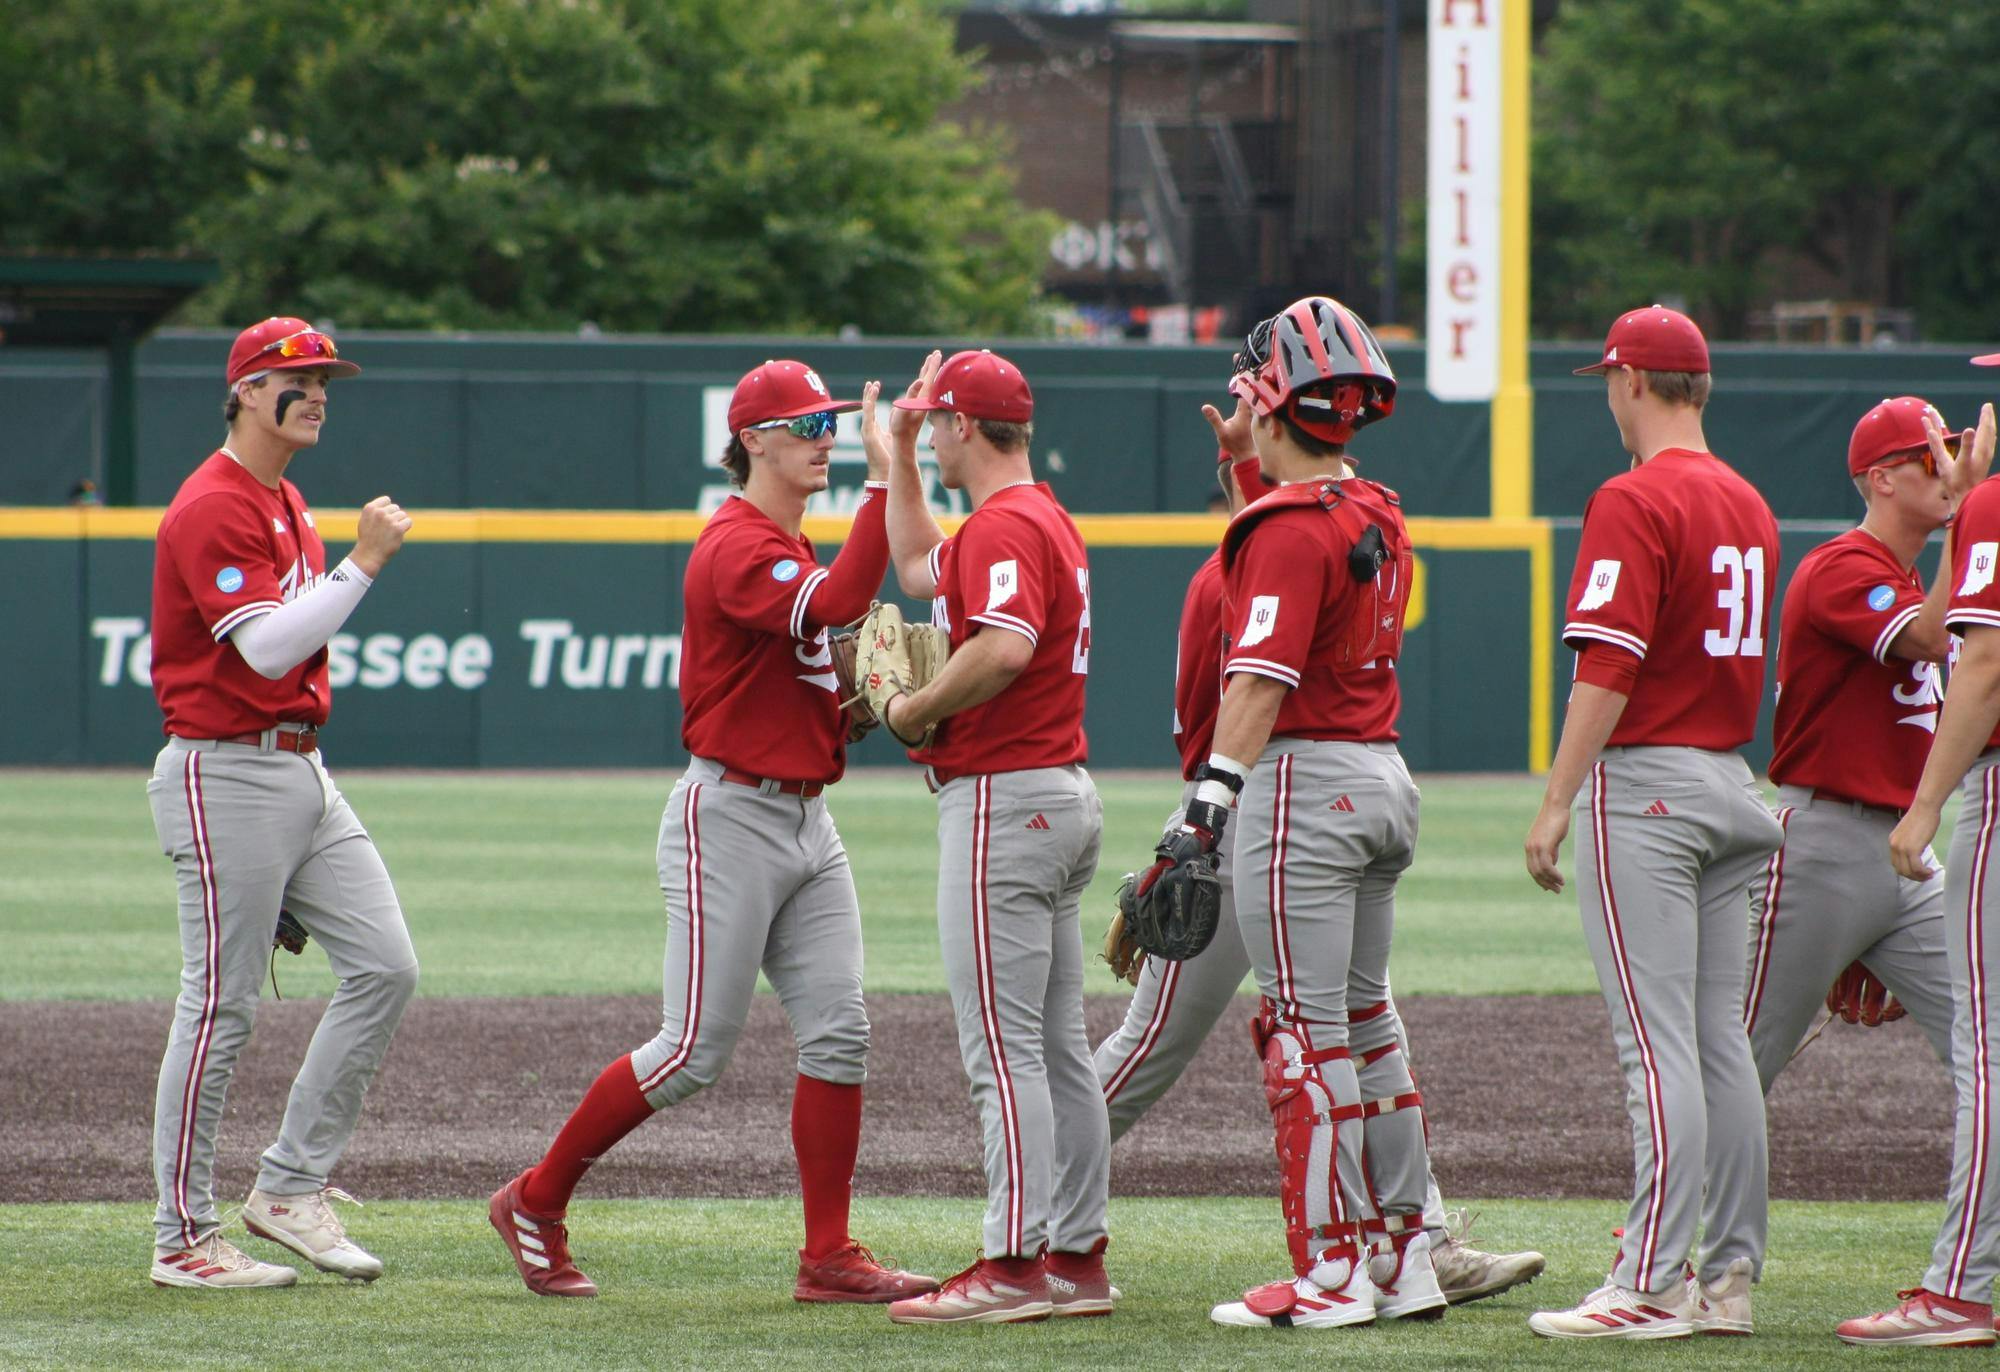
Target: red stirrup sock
{"points": [[826, 1135], [612, 1108]]}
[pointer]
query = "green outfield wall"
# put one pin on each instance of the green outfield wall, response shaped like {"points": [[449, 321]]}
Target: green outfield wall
{"points": [[532, 423], [516, 640]]}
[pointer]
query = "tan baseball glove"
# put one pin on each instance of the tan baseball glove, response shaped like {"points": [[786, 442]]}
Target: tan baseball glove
{"points": [[892, 658]]}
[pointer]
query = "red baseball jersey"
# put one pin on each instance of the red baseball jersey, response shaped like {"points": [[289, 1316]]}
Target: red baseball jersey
{"points": [[1852, 720], [1017, 563], [230, 549], [1292, 603], [1676, 568], [1975, 600], [1198, 670], [758, 691]]}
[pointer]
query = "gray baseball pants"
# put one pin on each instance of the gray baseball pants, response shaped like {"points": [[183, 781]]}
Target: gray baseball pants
{"points": [[1016, 851], [1668, 842], [1826, 898], [1174, 1008], [250, 830], [754, 879]]}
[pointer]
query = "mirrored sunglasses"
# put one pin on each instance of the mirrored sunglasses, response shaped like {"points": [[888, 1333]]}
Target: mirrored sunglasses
{"points": [[806, 426], [305, 343], [1922, 455]]}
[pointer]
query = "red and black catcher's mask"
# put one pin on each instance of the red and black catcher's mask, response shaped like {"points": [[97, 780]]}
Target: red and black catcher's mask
{"points": [[1318, 364]]}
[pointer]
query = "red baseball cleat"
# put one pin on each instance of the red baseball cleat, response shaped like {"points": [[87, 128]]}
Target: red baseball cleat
{"points": [[539, 1243], [1077, 1284], [991, 1291], [1924, 1317], [852, 1275]]}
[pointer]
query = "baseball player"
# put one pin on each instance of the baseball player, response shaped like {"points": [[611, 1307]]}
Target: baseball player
{"points": [[1859, 645], [1176, 1004], [1954, 1306], [753, 871], [1019, 825], [1316, 580], [1670, 612], [243, 606]]}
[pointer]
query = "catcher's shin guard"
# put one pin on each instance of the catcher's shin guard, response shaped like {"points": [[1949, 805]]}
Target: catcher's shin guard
{"points": [[1311, 1091], [1394, 1132]]}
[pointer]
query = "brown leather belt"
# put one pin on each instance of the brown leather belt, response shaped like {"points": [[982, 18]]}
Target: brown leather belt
{"points": [[284, 740], [807, 789]]}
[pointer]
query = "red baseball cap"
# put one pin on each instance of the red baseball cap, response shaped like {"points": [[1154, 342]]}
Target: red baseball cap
{"points": [[781, 390], [1655, 339], [1989, 360], [979, 385], [1894, 426], [284, 344]]}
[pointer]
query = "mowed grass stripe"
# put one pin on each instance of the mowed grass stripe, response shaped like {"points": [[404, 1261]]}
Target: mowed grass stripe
{"points": [[706, 1284], [525, 884]]}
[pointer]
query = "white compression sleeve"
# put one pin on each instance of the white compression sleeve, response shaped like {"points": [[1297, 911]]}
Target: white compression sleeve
{"points": [[275, 643]]}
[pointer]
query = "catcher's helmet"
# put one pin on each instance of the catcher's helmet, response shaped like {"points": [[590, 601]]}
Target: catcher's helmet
{"points": [[1320, 365]]}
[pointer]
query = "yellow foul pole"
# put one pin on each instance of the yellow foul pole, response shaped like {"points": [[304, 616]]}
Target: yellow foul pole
{"points": [[1513, 420]]}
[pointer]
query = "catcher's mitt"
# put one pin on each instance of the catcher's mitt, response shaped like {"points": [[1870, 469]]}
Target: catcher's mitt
{"points": [[1121, 949], [1176, 904], [1858, 998], [892, 658], [854, 710]]}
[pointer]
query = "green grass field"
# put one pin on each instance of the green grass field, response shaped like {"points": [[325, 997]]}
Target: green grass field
{"points": [[533, 885], [707, 1284]]}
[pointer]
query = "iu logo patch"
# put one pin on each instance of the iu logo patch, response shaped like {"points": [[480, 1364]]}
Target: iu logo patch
{"points": [[1263, 619], [1601, 585], [1002, 580], [1979, 568]]}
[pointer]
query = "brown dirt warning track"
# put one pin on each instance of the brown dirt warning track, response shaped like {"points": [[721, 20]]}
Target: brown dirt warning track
{"points": [[1523, 1093]]}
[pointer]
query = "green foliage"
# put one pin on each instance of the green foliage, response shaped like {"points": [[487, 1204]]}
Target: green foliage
{"points": [[1951, 237], [1678, 145], [706, 1284], [699, 165]]}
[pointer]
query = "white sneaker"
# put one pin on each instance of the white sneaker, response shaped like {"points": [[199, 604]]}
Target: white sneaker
{"points": [[1465, 1273], [1337, 1293], [1612, 1312], [215, 1261], [1406, 1284], [1723, 1308], [307, 1225]]}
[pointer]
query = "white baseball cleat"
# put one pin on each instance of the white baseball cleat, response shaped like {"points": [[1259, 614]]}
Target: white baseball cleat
{"points": [[1337, 1294], [1723, 1308], [1924, 1317], [1465, 1273], [307, 1225], [215, 1261], [1406, 1284], [1613, 1312]]}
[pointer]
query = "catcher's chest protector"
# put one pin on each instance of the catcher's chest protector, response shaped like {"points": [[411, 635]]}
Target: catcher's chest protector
{"points": [[1369, 517]]}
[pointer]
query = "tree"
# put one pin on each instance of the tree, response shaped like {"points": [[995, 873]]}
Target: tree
{"points": [[639, 164], [1678, 146], [1951, 235]]}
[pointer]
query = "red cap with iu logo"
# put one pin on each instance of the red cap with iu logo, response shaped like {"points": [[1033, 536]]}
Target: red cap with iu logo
{"points": [[781, 390], [1894, 426], [979, 385], [1655, 339]]}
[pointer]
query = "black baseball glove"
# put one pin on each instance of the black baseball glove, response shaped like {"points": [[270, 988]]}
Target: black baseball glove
{"points": [[1173, 910], [290, 935]]}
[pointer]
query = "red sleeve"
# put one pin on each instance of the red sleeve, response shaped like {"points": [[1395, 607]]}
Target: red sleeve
{"points": [[1614, 595], [1975, 596], [1601, 664], [999, 565], [1277, 587], [1851, 597], [221, 546], [762, 584], [841, 593]]}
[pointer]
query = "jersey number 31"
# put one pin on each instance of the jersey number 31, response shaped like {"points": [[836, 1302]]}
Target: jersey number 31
{"points": [[1743, 598]]}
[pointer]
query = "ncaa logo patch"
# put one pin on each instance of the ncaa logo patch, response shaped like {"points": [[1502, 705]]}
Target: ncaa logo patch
{"points": [[1882, 597], [785, 571], [229, 580]]}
